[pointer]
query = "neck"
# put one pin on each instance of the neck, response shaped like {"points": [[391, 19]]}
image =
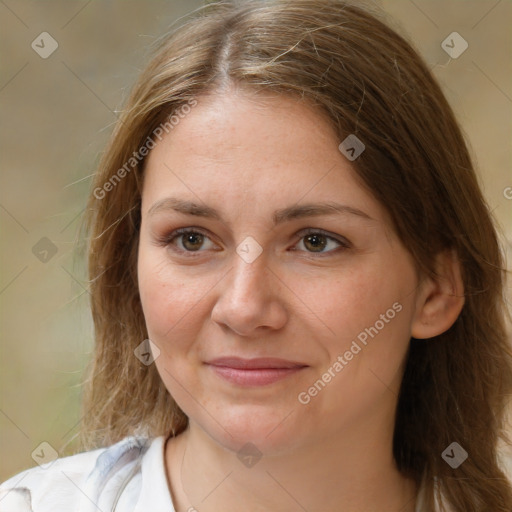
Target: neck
{"points": [[360, 474]]}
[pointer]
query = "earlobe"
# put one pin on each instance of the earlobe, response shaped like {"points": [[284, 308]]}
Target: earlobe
{"points": [[440, 299]]}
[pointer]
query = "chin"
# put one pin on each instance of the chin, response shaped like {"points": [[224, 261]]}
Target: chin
{"points": [[271, 432]]}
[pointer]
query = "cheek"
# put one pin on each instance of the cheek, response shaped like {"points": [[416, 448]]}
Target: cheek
{"points": [[356, 300], [169, 298], [370, 312], [171, 303]]}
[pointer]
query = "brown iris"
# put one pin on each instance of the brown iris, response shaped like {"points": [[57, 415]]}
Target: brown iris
{"points": [[192, 241], [317, 242]]}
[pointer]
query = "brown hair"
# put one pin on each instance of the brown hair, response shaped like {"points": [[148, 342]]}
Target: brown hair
{"points": [[368, 81]]}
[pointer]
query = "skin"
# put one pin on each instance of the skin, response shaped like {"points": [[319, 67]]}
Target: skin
{"points": [[246, 157]]}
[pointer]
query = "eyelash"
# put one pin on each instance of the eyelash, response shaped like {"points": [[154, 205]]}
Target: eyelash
{"points": [[168, 239]]}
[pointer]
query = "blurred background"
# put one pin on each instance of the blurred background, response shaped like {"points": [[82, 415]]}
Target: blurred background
{"points": [[66, 67]]}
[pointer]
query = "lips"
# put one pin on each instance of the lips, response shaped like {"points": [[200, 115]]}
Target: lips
{"points": [[254, 372], [254, 364]]}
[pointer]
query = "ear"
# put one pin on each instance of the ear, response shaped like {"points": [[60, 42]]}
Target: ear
{"points": [[440, 298]]}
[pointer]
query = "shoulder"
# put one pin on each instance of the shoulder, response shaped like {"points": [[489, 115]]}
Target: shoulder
{"points": [[69, 481]]}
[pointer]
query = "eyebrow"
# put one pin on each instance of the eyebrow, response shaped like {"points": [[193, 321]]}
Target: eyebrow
{"points": [[278, 217]]}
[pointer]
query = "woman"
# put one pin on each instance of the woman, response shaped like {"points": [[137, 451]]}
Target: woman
{"points": [[296, 283]]}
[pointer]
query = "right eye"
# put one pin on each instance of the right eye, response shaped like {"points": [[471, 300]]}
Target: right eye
{"points": [[187, 240]]}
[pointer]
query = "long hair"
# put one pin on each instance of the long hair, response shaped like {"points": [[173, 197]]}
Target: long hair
{"points": [[370, 82]]}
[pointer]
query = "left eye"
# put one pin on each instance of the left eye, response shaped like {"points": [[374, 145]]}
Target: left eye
{"points": [[318, 242]]}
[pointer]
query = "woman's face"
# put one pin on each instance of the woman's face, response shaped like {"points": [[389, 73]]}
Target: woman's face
{"points": [[284, 313]]}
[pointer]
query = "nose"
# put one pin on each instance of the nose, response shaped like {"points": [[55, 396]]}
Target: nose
{"points": [[250, 299]]}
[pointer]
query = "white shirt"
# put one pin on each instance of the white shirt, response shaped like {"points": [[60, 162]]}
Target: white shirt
{"points": [[128, 476]]}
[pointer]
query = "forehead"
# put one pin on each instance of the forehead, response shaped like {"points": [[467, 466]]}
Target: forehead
{"points": [[242, 124], [244, 149]]}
